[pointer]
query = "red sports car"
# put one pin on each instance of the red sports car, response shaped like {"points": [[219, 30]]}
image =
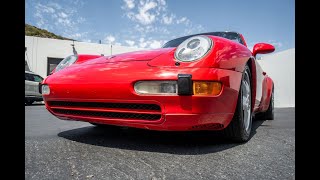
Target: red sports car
{"points": [[208, 81]]}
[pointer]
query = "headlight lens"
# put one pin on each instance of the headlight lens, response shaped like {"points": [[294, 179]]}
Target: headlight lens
{"points": [[45, 90], [156, 87], [66, 62], [193, 48]]}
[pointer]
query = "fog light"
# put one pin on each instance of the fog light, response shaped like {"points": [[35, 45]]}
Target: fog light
{"points": [[156, 87], [206, 88], [168, 88], [45, 89]]}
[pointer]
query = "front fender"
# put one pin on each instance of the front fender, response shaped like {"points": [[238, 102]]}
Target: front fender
{"points": [[229, 55], [225, 54], [266, 93]]}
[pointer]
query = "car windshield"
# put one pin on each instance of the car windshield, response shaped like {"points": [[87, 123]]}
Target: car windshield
{"points": [[229, 35]]}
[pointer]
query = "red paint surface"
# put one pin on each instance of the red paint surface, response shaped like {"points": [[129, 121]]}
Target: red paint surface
{"points": [[111, 79]]}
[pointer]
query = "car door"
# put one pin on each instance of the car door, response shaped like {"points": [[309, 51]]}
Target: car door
{"points": [[259, 88], [38, 79], [264, 89], [28, 84]]}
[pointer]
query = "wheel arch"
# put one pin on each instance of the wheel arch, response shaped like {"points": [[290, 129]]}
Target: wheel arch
{"points": [[252, 66]]}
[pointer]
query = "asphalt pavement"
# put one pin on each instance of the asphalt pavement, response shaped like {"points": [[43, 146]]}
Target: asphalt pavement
{"points": [[56, 149]]}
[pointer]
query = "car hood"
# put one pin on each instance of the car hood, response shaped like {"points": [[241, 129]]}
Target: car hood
{"points": [[143, 55]]}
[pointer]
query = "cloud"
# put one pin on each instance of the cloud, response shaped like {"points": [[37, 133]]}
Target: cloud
{"points": [[183, 20], [110, 39], [78, 35], [129, 4], [150, 43], [168, 19], [129, 42], [150, 29], [149, 12], [81, 20], [52, 17], [145, 29], [145, 12], [40, 22], [162, 2], [44, 8], [64, 21], [155, 44], [142, 43], [152, 18], [63, 15], [145, 16], [55, 5], [193, 29]]}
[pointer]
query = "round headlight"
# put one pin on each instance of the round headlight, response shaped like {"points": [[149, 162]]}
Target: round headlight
{"points": [[193, 48], [66, 62]]}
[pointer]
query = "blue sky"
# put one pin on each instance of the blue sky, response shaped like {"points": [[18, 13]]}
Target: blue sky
{"points": [[150, 23]]}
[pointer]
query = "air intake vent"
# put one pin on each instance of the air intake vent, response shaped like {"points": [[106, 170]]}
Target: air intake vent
{"points": [[112, 115], [106, 105], [126, 111]]}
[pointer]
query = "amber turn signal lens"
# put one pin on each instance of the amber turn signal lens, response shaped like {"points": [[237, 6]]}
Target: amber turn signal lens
{"points": [[206, 88]]}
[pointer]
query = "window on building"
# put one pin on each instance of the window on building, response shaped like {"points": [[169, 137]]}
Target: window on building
{"points": [[26, 66], [52, 63]]}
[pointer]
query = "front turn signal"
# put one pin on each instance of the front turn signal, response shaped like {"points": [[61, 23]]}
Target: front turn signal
{"points": [[206, 88]]}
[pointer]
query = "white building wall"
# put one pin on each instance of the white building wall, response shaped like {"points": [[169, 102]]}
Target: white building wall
{"points": [[39, 49], [281, 68]]}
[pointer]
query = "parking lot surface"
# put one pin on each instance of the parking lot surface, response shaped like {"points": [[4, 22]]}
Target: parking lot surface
{"points": [[56, 149]]}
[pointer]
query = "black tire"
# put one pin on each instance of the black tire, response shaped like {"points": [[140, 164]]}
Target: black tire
{"points": [[240, 126], [269, 114], [29, 102]]}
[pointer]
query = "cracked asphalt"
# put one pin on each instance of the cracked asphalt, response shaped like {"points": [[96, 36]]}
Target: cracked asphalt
{"points": [[56, 149]]}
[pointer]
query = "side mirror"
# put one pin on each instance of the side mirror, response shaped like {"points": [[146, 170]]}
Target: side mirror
{"points": [[262, 48]]}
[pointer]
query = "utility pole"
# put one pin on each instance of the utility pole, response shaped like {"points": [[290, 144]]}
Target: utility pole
{"points": [[74, 49], [111, 49]]}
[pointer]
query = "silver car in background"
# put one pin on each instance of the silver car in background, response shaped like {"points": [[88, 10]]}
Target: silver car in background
{"points": [[31, 86]]}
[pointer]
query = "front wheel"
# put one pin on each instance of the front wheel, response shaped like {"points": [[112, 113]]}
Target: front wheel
{"points": [[239, 128]]}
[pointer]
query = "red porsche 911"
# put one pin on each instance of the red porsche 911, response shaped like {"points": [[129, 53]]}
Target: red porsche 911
{"points": [[208, 81]]}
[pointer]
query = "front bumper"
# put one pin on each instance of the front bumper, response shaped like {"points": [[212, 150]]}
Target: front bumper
{"points": [[177, 113]]}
